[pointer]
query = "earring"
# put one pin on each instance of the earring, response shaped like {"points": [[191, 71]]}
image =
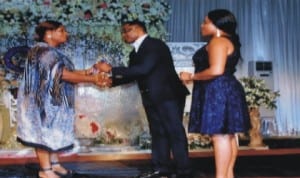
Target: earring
{"points": [[218, 33]]}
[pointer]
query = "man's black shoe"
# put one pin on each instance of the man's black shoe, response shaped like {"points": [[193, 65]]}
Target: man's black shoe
{"points": [[155, 174], [184, 176], [152, 174]]}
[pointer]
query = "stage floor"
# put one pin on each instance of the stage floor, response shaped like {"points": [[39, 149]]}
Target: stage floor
{"points": [[119, 153], [277, 160], [263, 163]]}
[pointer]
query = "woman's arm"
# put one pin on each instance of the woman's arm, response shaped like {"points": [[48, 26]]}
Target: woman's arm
{"points": [[217, 56], [101, 79], [218, 50], [88, 71]]}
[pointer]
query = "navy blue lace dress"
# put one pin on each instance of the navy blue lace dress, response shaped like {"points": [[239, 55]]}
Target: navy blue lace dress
{"points": [[218, 105]]}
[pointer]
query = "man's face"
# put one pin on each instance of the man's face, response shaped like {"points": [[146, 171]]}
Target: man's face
{"points": [[130, 33]]}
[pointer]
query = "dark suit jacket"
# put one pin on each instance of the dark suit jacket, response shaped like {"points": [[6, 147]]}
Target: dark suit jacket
{"points": [[152, 67]]}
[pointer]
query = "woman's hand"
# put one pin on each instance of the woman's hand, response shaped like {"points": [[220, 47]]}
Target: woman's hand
{"points": [[186, 77], [90, 71]]}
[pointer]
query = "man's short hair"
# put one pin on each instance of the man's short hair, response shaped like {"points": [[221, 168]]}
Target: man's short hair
{"points": [[136, 22]]}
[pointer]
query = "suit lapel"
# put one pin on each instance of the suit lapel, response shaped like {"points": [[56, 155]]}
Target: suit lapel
{"points": [[135, 56], [143, 44], [132, 57], [132, 54]]}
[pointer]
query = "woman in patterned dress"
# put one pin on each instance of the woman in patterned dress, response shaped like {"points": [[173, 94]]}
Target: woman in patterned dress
{"points": [[219, 105], [46, 99]]}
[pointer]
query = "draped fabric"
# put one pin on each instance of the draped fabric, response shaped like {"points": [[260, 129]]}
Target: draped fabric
{"points": [[268, 31], [46, 110]]}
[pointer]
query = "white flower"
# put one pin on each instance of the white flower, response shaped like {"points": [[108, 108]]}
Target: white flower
{"points": [[257, 93], [20, 18], [109, 12]]}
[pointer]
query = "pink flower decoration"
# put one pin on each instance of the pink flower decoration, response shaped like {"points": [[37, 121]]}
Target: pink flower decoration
{"points": [[103, 6], [81, 116], [95, 127], [47, 2], [88, 15], [146, 5]]}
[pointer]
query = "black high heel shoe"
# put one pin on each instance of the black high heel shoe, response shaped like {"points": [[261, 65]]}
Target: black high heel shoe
{"points": [[68, 174]]}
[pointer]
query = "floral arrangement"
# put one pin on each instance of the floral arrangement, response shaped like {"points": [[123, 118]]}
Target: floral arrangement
{"points": [[257, 93], [86, 127], [110, 136], [96, 22], [144, 141], [196, 141], [100, 18]]}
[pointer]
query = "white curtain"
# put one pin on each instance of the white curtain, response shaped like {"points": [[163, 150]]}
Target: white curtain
{"points": [[269, 32]]}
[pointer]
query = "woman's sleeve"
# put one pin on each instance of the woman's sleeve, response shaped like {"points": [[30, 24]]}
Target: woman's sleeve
{"points": [[51, 66]]}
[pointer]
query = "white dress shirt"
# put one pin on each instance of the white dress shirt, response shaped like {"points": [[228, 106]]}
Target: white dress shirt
{"points": [[138, 42]]}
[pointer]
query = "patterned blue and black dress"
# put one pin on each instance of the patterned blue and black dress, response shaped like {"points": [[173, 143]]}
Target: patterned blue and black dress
{"points": [[218, 105], [45, 117]]}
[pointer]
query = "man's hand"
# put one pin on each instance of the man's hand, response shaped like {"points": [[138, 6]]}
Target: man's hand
{"points": [[102, 67]]}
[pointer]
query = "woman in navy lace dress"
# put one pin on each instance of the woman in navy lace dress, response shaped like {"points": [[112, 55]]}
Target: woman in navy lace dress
{"points": [[218, 106], [46, 99]]}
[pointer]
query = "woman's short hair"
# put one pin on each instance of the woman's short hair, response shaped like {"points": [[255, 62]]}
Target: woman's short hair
{"points": [[44, 26]]}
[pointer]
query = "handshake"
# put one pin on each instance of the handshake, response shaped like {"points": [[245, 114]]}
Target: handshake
{"points": [[101, 71]]}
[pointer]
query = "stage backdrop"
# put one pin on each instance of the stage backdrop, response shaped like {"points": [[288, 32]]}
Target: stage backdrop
{"points": [[115, 115], [117, 112]]}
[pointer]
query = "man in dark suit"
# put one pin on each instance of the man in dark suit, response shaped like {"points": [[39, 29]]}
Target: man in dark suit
{"points": [[163, 96]]}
